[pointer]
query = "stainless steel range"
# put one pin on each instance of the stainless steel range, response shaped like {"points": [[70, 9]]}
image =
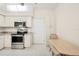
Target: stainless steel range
{"points": [[17, 41]]}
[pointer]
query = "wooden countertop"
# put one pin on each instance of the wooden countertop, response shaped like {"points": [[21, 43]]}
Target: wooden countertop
{"points": [[64, 47]]}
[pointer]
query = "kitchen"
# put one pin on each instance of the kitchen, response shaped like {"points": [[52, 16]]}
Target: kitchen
{"points": [[30, 29], [10, 26], [25, 28]]}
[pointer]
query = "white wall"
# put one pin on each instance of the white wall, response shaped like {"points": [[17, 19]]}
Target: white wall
{"points": [[67, 21]]}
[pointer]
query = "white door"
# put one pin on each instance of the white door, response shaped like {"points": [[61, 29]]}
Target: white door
{"points": [[1, 41], [39, 31]]}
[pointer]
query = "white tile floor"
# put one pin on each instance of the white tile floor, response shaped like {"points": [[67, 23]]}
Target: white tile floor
{"points": [[35, 50]]}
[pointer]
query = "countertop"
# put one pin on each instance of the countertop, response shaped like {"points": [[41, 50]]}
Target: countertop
{"points": [[11, 30]]}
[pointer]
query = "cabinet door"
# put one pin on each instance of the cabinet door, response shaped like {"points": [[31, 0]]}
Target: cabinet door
{"points": [[29, 22], [8, 40], [1, 41], [9, 22], [1, 20], [27, 40]]}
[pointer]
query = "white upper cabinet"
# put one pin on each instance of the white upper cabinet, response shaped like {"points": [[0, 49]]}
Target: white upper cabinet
{"points": [[9, 22], [29, 22], [1, 20]]}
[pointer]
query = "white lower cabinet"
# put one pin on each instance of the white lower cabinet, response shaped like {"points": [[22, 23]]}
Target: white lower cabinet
{"points": [[8, 40], [1, 41], [27, 40]]}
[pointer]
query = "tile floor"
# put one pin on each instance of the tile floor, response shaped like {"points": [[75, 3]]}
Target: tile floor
{"points": [[35, 50]]}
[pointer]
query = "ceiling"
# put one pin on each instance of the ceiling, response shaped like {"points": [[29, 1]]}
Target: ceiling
{"points": [[46, 5], [33, 5]]}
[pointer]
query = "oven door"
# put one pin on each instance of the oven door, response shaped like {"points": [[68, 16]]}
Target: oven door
{"points": [[16, 39]]}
